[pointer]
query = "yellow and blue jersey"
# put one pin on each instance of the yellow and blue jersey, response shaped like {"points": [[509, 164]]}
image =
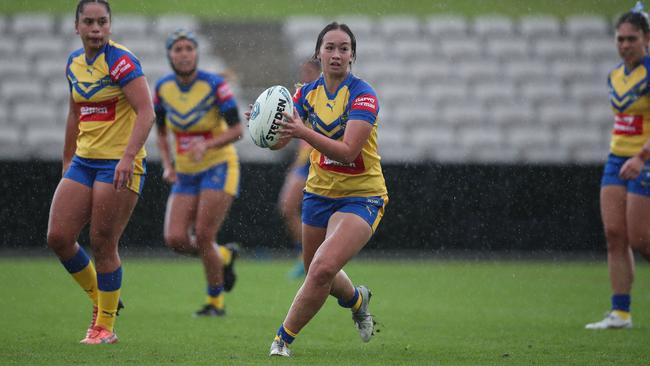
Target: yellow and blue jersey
{"points": [[201, 110], [328, 114], [106, 118], [630, 101]]}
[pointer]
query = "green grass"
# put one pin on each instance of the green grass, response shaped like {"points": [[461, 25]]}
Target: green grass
{"points": [[431, 313], [246, 9]]}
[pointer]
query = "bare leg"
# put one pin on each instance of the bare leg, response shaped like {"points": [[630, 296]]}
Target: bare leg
{"points": [[346, 235], [212, 210], [111, 211], [619, 254], [69, 213], [342, 287], [110, 214], [179, 216], [638, 224]]}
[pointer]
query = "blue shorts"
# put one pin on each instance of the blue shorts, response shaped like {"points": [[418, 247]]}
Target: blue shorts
{"points": [[302, 171], [317, 210], [87, 171], [640, 185], [221, 177]]}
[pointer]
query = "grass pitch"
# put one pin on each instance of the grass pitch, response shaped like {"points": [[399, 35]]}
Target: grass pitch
{"points": [[277, 9], [430, 313]]}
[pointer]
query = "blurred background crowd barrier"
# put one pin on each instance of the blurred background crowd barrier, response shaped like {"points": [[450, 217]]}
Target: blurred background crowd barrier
{"points": [[492, 128]]}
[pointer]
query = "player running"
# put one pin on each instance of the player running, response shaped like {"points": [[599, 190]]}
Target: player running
{"points": [[199, 109], [345, 196]]}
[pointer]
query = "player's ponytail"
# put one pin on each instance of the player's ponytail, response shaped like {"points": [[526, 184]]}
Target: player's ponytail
{"points": [[82, 3], [637, 17]]}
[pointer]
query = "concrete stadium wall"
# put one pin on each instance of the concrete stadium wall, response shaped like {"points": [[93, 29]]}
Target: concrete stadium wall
{"points": [[432, 207]]}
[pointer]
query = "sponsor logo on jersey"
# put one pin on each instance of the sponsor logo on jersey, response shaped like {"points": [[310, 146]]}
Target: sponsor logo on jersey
{"points": [[355, 167], [121, 68], [184, 140], [97, 111], [625, 124], [224, 92], [366, 102]]}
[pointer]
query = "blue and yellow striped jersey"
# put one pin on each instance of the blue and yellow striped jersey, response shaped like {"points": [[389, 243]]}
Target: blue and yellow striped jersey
{"points": [[628, 90], [196, 111], [106, 119], [328, 114]]}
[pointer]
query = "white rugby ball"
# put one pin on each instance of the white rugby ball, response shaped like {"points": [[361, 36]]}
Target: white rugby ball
{"points": [[263, 125]]}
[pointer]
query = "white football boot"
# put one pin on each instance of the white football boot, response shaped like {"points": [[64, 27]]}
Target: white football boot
{"points": [[363, 320], [613, 320], [279, 348]]}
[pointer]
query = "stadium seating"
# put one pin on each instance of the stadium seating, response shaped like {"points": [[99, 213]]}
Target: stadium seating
{"points": [[586, 25], [451, 88], [532, 27], [11, 142], [32, 24], [492, 26]]}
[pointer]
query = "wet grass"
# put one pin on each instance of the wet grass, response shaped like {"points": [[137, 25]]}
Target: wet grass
{"points": [[430, 313], [249, 9]]}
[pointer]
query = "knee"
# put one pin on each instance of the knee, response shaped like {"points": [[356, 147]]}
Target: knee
{"points": [[322, 273], [616, 238], [176, 241], [57, 241]]}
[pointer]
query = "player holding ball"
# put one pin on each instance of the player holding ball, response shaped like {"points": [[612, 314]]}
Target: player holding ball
{"points": [[345, 195]]}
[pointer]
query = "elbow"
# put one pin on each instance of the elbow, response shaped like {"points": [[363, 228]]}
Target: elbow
{"points": [[150, 116], [146, 113]]}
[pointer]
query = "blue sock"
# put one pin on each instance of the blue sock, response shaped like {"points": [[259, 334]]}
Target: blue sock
{"points": [[286, 335], [621, 302], [214, 291], [111, 281], [352, 301], [78, 262]]}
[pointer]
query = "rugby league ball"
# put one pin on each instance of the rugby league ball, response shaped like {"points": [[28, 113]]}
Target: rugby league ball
{"points": [[266, 114]]}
